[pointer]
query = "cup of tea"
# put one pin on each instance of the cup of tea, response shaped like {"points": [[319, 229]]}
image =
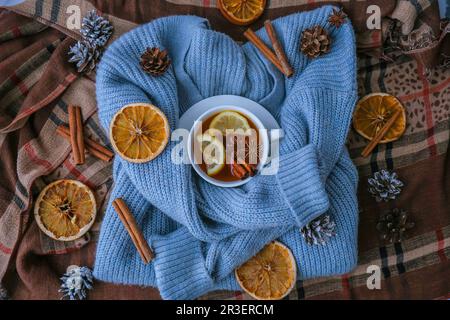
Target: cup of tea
{"points": [[228, 145]]}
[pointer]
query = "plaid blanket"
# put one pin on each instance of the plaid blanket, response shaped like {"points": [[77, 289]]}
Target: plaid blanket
{"points": [[34, 99]]}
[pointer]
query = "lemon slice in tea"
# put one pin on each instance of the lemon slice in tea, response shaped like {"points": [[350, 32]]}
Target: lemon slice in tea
{"points": [[65, 210], [213, 152], [241, 12], [373, 111], [139, 132], [229, 120], [270, 274]]}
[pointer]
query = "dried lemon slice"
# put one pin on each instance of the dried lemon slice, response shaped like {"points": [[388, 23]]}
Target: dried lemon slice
{"points": [[270, 274], [139, 132], [373, 111], [242, 12], [229, 120], [65, 210]]}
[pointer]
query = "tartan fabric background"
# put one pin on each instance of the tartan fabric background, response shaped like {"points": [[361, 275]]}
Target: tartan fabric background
{"points": [[34, 99]]}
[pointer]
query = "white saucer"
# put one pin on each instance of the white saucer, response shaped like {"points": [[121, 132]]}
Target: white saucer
{"points": [[193, 113]]}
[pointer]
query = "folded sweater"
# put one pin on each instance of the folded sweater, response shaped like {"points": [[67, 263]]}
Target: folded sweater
{"points": [[200, 232]]}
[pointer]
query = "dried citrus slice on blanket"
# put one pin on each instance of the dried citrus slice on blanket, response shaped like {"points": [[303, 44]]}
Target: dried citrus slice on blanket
{"points": [[139, 132], [373, 111], [270, 274], [65, 210], [229, 120], [241, 12]]}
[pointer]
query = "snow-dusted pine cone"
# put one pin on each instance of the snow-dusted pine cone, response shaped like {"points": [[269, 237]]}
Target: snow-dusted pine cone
{"points": [[319, 230], [384, 185], [76, 282], [96, 29], [85, 56]]}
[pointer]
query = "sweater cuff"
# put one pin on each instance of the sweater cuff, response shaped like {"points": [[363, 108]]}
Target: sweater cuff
{"points": [[180, 266], [302, 185]]}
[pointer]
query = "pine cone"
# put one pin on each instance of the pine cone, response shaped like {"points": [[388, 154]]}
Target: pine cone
{"points": [[154, 61], [393, 225], [315, 42], [337, 18], [3, 293], [85, 55], [319, 230], [96, 29], [76, 282], [385, 186]]}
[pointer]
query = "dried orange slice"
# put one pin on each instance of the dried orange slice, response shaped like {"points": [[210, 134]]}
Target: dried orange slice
{"points": [[241, 12], [65, 210], [270, 274], [373, 111], [139, 132]]}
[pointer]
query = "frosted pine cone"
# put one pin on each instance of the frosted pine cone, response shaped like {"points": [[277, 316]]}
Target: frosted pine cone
{"points": [[96, 29], [76, 282], [85, 56], [319, 230], [385, 186]]}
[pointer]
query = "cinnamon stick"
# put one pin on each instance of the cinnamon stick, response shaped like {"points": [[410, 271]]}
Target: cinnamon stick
{"points": [[373, 143], [134, 231], [80, 135], [73, 133], [279, 51], [76, 134], [96, 149], [259, 44]]}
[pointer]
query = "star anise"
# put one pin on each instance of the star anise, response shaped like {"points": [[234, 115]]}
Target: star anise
{"points": [[337, 18], [245, 161]]}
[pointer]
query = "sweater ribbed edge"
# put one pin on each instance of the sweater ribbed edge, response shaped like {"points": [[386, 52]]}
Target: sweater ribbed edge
{"points": [[307, 199], [180, 266]]}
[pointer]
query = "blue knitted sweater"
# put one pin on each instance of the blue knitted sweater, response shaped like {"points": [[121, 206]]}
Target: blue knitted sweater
{"points": [[200, 232]]}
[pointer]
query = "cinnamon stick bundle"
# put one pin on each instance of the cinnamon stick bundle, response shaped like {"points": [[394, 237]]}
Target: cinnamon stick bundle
{"points": [[259, 44], [134, 231], [373, 143], [92, 146], [278, 59], [76, 134]]}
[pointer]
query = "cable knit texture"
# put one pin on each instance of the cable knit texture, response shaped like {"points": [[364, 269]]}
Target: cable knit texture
{"points": [[200, 232]]}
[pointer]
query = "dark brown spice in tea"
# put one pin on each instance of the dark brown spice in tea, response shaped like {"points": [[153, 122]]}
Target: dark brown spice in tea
{"points": [[241, 167]]}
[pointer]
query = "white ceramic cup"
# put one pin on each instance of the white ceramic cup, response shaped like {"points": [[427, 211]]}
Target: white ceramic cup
{"points": [[196, 128]]}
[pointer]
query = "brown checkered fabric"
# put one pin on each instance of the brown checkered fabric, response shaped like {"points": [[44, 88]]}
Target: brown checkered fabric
{"points": [[34, 99]]}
